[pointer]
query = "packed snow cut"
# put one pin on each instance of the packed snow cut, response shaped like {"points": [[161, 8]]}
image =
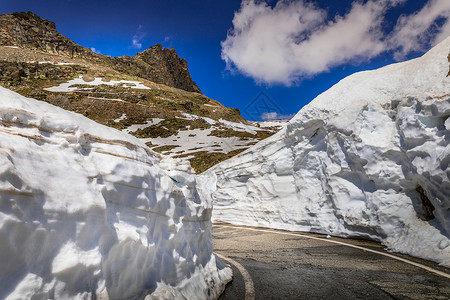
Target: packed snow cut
{"points": [[368, 158], [87, 211]]}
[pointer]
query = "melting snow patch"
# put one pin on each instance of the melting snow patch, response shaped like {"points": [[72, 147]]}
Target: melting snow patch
{"points": [[67, 86], [194, 117], [122, 117], [268, 124], [195, 140], [107, 99], [134, 127], [239, 126]]}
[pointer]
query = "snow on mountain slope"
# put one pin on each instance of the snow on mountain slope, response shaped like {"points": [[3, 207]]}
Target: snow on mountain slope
{"points": [[369, 158], [86, 211]]}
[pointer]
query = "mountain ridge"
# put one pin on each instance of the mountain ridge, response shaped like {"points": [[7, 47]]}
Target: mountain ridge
{"points": [[29, 31], [140, 95]]}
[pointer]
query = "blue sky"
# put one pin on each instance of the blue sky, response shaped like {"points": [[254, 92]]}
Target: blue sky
{"points": [[287, 52]]}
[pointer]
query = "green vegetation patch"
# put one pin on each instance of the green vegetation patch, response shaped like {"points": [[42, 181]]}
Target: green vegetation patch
{"points": [[164, 148], [15, 74], [204, 160], [225, 132], [171, 127], [198, 99]]}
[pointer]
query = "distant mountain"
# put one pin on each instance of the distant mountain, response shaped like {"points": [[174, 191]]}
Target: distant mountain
{"points": [[29, 31], [150, 95]]}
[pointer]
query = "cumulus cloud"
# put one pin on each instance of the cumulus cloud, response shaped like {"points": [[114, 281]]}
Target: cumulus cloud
{"points": [[414, 32], [297, 39], [137, 38], [95, 50], [268, 116]]}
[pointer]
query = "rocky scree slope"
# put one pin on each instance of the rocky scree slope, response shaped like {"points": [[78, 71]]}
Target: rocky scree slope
{"points": [[39, 62], [368, 158]]}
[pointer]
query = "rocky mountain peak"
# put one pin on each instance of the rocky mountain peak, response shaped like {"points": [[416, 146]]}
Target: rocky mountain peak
{"points": [[174, 69], [32, 17], [27, 30]]}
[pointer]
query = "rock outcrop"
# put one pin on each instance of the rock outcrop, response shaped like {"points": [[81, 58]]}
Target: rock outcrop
{"points": [[29, 31], [175, 69], [160, 65]]}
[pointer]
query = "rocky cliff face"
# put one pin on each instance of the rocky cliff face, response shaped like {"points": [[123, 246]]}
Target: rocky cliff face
{"points": [[29, 31], [176, 70], [160, 65]]}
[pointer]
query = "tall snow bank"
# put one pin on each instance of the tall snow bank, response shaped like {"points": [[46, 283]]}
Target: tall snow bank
{"points": [[85, 212], [369, 158]]}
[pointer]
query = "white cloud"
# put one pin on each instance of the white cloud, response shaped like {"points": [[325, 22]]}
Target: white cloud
{"points": [[136, 44], [268, 116], [166, 40], [137, 38], [414, 32], [95, 50], [296, 39], [445, 33]]}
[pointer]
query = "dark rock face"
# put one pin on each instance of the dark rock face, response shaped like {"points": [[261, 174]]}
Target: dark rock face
{"points": [[448, 58], [29, 31], [175, 69], [160, 65]]}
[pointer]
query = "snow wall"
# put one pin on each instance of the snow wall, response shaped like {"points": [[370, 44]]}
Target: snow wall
{"points": [[368, 158], [86, 212]]}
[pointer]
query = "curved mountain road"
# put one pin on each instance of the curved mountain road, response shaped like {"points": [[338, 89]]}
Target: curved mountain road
{"points": [[274, 264]]}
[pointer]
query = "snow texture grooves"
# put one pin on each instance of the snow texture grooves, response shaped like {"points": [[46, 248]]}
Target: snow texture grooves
{"points": [[369, 158], [87, 212]]}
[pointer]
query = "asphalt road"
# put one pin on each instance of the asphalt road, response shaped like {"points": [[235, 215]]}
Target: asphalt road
{"points": [[281, 266]]}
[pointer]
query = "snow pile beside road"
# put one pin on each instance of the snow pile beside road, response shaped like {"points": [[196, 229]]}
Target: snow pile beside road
{"points": [[369, 157], [86, 211]]}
